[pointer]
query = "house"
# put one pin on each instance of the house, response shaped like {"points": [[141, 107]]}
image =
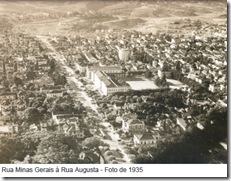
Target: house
{"points": [[33, 127], [111, 156], [43, 126], [118, 105], [89, 57], [89, 156], [133, 125], [80, 66], [201, 126], [44, 67], [55, 93], [213, 88], [8, 129], [14, 88], [63, 118], [41, 61], [8, 96], [46, 89], [181, 122], [166, 73], [21, 94], [72, 129], [145, 139]]}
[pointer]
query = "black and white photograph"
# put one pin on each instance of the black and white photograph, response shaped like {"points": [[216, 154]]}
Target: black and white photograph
{"points": [[113, 82]]}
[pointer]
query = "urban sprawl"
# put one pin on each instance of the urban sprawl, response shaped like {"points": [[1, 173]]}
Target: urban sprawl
{"points": [[120, 96]]}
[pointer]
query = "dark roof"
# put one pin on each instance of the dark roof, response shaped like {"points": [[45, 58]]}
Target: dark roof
{"points": [[92, 156], [134, 121], [145, 136], [51, 87], [67, 116], [105, 68], [119, 103], [55, 91], [8, 94]]}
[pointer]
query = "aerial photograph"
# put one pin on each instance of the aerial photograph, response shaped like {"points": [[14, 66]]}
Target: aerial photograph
{"points": [[113, 82]]}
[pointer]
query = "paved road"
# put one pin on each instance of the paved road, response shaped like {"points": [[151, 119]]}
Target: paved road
{"points": [[80, 95]]}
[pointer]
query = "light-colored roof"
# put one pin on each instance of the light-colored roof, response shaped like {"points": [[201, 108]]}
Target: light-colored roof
{"points": [[181, 122], [99, 74]]}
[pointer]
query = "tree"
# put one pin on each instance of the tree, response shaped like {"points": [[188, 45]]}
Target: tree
{"points": [[11, 148], [57, 149], [178, 66], [32, 116], [148, 74], [93, 142], [52, 65], [30, 75], [18, 81]]}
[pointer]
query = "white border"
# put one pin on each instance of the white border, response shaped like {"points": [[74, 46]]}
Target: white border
{"points": [[149, 170]]}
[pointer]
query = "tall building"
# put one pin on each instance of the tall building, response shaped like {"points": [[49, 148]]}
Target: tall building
{"points": [[124, 54]]}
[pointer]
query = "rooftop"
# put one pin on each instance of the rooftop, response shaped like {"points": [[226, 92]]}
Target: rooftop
{"points": [[145, 136]]}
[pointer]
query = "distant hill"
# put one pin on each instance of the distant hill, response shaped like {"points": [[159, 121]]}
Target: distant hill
{"points": [[47, 16]]}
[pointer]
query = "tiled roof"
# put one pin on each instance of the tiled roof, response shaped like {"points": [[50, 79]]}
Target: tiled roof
{"points": [[92, 156], [8, 94], [134, 121], [55, 91], [145, 136]]}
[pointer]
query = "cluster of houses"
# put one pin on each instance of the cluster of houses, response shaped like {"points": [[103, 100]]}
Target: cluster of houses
{"points": [[24, 60], [201, 58], [106, 61], [69, 124]]}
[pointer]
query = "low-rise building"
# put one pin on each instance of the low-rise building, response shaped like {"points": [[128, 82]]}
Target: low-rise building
{"points": [[59, 119], [47, 89], [55, 93], [182, 123], [8, 96], [133, 125], [89, 156], [73, 129], [145, 139]]}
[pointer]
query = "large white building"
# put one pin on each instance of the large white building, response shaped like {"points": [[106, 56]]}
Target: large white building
{"points": [[106, 85], [90, 71]]}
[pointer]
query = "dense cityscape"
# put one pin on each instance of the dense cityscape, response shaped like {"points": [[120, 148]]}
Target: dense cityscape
{"points": [[117, 96]]}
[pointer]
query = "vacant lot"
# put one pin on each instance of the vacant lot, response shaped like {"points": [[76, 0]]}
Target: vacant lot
{"points": [[141, 85]]}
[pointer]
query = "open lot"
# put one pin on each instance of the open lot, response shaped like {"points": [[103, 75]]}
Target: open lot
{"points": [[141, 85]]}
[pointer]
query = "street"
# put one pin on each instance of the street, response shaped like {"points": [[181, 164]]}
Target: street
{"points": [[79, 94]]}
